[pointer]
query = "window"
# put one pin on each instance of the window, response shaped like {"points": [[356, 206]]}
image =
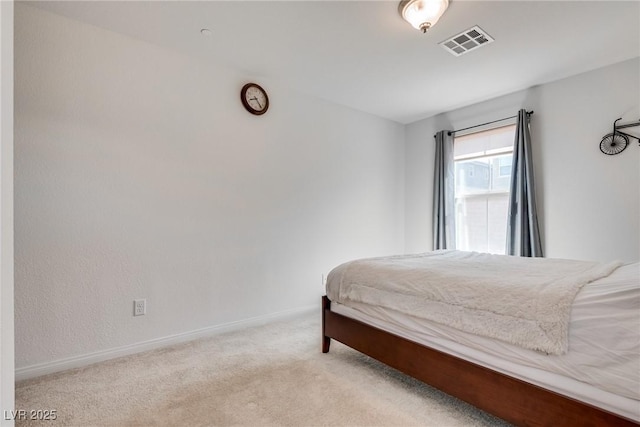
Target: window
{"points": [[482, 162], [504, 165]]}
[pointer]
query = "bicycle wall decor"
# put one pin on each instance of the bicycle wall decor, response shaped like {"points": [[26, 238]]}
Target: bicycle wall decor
{"points": [[616, 141]]}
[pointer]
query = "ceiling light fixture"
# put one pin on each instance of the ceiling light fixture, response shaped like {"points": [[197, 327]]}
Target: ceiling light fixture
{"points": [[422, 14]]}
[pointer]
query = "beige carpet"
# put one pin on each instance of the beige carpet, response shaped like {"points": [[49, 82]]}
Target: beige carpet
{"points": [[273, 375]]}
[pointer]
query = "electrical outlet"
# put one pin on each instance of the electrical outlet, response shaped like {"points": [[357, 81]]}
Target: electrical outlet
{"points": [[139, 307]]}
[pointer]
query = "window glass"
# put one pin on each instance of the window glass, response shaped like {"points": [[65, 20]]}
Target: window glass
{"points": [[483, 163]]}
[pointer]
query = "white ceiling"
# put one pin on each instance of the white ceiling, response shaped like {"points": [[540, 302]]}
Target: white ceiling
{"points": [[363, 55]]}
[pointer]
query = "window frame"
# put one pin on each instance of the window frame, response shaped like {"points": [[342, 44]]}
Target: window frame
{"points": [[493, 158]]}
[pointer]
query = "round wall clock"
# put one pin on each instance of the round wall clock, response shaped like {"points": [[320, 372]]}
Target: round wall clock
{"points": [[254, 98]]}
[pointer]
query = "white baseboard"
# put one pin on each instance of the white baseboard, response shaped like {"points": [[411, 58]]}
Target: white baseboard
{"points": [[100, 356]]}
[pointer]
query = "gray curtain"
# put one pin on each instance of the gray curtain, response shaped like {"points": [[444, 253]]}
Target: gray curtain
{"points": [[523, 234], [444, 234]]}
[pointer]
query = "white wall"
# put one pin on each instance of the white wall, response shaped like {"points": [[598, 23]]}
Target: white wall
{"points": [[138, 174], [6, 214], [589, 202]]}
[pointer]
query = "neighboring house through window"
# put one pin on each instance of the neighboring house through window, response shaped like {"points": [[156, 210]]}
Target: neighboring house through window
{"points": [[482, 162]]}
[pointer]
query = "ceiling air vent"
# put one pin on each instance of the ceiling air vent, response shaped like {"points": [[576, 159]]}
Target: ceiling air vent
{"points": [[467, 41]]}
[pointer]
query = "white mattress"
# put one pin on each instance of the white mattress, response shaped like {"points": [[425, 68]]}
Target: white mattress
{"points": [[602, 366]]}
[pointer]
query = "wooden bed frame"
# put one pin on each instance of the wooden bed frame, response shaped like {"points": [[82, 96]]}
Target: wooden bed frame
{"points": [[511, 399]]}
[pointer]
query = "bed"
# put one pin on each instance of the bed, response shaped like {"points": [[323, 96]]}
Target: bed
{"points": [[577, 364]]}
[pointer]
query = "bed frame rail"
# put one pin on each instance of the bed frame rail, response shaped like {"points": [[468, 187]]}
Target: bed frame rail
{"points": [[511, 399]]}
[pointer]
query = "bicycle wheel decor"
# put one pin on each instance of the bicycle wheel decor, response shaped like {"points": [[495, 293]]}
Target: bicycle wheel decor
{"points": [[613, 144]]}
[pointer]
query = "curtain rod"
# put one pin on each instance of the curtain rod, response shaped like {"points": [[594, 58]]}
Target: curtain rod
{"points": [[484, 124]]}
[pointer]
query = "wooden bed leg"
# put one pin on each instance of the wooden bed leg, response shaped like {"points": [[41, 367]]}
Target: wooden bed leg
{"points": [[326, 341]]}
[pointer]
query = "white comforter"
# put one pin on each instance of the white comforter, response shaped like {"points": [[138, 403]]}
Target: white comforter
{"points": [[522, 301], [604, 335]]}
